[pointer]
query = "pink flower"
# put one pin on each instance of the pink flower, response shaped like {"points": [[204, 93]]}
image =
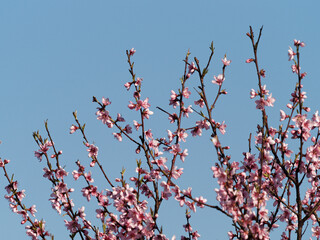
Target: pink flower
{"points": [[132, 51], [203, 124], [146, 113], [88, 177], [117, 136], [253, 93], [131, 105], [261, 103], [222, 127], [33, 210], [187, 228], [73, 226], [175, 149], [173, 117], [316, 231], [298, 43], [166, 190], [4, 162], [139, 104], [291, 54], [192, 67], [195, 235], [283, 115], [104, 117], [93, 151], [218, 80], [38, 155], [191, 205], [170, 136], [215, 141], [127, 85], [225, 61], [145, 103], [183, 155], [316, 119], [105, 101], [148, 134], [186, 93], [45, 147], [295, 69], [128, 129], [196, 131], [76, 175], [182, 135], [138, 81], [120, 118], [61, 173], [200, 102], [249, 60], [200, 201], [264, 90], [21, 194], [173, 99], [136, 125], [73, 128], [270, 100], [187, 110], [187, 192], [231, 235]]}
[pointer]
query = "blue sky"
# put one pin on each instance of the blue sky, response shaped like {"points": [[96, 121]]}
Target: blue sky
{"points": [[56, 55]]}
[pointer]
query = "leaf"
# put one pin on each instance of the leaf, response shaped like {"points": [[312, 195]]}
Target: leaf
{"points": [[75, 114], [204, 72], [211, 47]]}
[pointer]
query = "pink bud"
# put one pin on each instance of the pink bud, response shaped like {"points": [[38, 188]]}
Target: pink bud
{"points": [[132, 51], [138, 150]]}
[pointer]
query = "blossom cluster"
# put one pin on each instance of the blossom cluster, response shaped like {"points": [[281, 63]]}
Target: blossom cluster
{"points": [[258, 194]]}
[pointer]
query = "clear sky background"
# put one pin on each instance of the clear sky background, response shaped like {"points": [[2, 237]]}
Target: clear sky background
{"points": [[56, 55]]}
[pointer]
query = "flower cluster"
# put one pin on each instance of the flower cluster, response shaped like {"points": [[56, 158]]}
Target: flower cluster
{"points": [[35, 228], [258, 194]]}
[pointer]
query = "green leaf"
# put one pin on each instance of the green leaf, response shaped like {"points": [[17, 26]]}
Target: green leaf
{"points": [[211, 47], [75, 114], [204, 72]]}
